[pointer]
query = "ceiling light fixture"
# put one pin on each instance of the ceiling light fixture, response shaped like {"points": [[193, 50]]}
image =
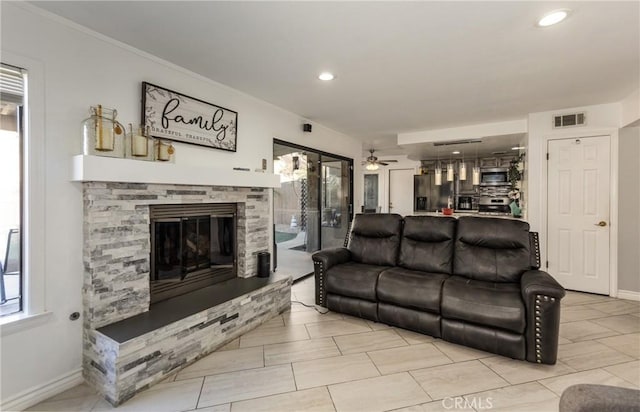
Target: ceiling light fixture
{"points": [[553, 17], [372, 166], [456, 152], [326, 76], [518, 148]]}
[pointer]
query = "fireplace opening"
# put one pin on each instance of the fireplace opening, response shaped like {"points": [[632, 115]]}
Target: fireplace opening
{"points": [[192, 246]]}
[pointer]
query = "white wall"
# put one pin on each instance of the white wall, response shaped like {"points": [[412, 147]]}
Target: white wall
{"points": [[83, 69], [383, 180], [629, 212]]}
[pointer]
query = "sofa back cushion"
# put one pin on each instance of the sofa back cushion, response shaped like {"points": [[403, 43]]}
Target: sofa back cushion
{"points": [[427, 244], [491, 249], [375, 239]]}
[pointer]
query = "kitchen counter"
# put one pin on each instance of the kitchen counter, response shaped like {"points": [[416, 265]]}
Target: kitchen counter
{"points": [[467, 213]]}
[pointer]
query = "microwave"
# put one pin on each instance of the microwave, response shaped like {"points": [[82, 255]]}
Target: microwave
{"points": [[496, 176]]}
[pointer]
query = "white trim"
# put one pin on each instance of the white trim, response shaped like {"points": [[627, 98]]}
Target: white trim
{"points": [[110, 169], [35, 182], [20, 321], [629, 295], [613, 196], [35, 395]]}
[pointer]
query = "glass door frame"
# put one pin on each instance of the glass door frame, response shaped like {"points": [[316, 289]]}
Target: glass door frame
{"points": [[334, 157]]}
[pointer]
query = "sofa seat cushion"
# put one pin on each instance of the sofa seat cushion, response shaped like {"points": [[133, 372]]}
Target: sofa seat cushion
{"points": [[411, 289], [356, 280], [494, 304]]}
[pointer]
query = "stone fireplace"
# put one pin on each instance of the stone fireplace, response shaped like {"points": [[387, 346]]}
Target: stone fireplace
{"points": [[192, 246], [121, 269]]}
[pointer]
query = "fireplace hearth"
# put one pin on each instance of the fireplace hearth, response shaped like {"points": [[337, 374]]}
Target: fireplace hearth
{"points": [[192, 246]]}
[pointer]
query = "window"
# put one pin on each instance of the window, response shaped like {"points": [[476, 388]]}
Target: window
{"points": [[12, 82]]}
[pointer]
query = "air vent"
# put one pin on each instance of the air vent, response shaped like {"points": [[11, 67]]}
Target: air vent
{"points": [[569, 120], [454, 142]]}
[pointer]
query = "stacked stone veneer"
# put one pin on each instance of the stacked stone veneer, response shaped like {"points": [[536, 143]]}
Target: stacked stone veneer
{"points": [[119, 371], [116, 280]]}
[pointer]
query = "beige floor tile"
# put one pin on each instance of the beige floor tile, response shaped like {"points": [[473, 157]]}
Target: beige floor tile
{"points": [[218, 408], [83, 403], [408, 358], [629, 371], [336, 328], [378, 394], [327, 371], [299, 318], [234, 344], [595, 376], [266, 336], [378, 325], [459, 353], [225, 361], [164, 397], [580, 312], [579, 298], [369, 341], [519, 371], [300, 351], [617, 307], [275, 321], [525, 397], [588, 355], [414, 338], [562, 341], [80, 391], [620, 323], [309, 400], [297, 307], [456, 404], [249, 384], [627, 344], [584, 330], [457, 379]]}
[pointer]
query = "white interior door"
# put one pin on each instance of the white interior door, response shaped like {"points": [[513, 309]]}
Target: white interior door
{"points": [[578, 194], [401, 191]]}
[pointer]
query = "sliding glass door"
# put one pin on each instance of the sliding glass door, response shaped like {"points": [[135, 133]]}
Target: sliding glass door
{"points": [[313, 206]]}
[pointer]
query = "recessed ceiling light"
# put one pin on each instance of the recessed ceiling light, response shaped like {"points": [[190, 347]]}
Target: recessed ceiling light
{"points": [[456, 152], [518, 148], [326, 76], [553, 17]]}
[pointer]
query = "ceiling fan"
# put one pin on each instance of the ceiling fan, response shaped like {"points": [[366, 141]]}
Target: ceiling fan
{"points": [[372, 162]]}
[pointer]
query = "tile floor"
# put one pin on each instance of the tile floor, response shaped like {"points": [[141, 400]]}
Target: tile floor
{"points": [[305, 361]]}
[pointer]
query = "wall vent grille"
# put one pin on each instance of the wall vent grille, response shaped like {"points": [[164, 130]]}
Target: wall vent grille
{"points": [[569, 120]]}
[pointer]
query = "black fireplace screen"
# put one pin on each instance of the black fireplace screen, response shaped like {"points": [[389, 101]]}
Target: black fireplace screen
{"points": [[190, 252]]}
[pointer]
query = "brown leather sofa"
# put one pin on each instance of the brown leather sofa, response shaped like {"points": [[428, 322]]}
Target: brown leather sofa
{"points": [[472, 281]]}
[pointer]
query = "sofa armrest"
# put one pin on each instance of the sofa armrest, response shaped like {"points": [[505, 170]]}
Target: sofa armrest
{"points": [[323, 261], [541, 295]]}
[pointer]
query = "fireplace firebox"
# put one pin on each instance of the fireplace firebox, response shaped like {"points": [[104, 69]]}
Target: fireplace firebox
{"points": [[192, 246]]}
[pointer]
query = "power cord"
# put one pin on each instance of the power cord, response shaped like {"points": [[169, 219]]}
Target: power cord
{"points": [[311, 306]]}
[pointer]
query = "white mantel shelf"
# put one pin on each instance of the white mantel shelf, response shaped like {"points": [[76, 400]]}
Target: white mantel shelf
{"points": [[109, 169]]}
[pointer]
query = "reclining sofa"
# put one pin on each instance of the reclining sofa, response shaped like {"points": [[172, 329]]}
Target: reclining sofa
{"points": [[472, 281]]}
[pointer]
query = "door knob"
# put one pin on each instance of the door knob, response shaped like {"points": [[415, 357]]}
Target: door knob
{"points": [[601, 223]]}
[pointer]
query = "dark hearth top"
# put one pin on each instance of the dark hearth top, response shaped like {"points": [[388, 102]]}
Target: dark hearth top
{"points": [[168, 311]]}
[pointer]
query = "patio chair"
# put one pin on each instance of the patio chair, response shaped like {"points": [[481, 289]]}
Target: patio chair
{"points": [[11, 265]]}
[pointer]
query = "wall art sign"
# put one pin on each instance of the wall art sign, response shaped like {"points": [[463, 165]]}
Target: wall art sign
{"points": [[174, 116]]}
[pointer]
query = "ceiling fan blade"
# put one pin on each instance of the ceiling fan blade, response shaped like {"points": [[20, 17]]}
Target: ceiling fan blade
{"points": [[388, 161], [382, 163]]}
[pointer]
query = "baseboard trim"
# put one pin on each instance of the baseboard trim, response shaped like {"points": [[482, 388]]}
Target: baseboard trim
{"points": [[629, 295], [30, 397]]}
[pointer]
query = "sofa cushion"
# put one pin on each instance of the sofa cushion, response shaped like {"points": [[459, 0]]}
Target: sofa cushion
{"points": [[427, 243], [411, 289], [495, 304], [353, 279], [491, 249], [375, 239]]}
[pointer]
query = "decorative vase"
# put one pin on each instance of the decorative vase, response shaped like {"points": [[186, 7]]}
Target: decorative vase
{"points": [[515, 209], [103, 135]]}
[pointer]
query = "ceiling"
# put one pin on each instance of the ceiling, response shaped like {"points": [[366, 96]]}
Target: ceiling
{"points": [[400, 66]]}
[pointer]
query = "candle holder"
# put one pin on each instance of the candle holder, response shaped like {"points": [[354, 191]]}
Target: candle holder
{"points": [[139, 144], [164, 151], [103, 135]]}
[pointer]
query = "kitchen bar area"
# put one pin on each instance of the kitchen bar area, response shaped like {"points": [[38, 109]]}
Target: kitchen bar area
{"points": [[483, 186]]}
